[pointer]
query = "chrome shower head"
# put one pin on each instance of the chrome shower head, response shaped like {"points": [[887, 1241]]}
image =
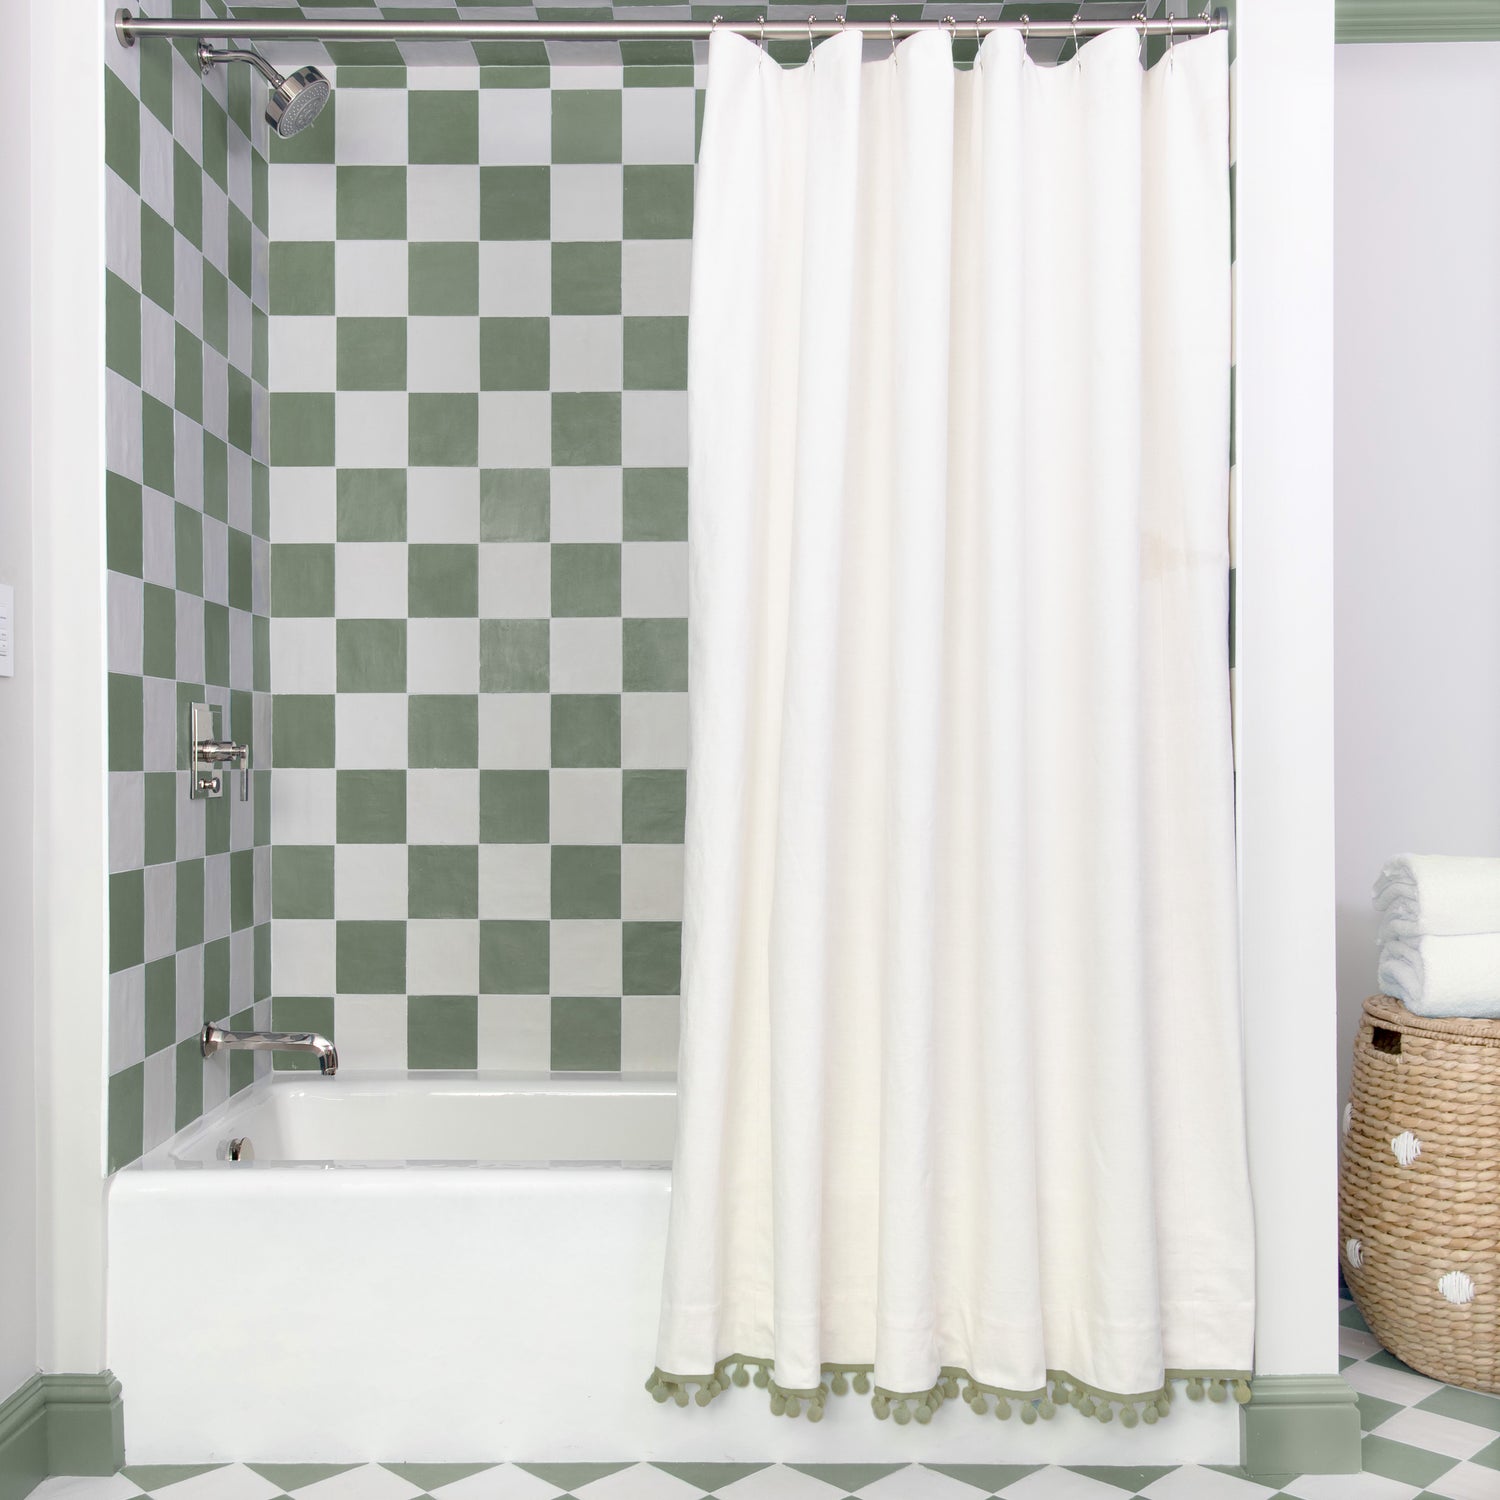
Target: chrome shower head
{"points": [[295, 102]]}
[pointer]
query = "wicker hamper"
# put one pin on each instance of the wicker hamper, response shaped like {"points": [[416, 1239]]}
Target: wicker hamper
{"points": [[1419, 1191]]}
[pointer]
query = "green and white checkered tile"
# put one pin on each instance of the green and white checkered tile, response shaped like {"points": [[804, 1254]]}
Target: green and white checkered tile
{"points": [[1423, 1441], [188, 554], [478, 642]]}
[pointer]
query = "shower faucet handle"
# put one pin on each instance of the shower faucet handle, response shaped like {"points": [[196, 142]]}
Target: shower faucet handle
{"points": [[208, 752]]}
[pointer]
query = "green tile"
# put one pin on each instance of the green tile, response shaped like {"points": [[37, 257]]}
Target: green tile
{"points": [[429, 1477], [302, 1013], [216, 821], [515, 203], [314, 143], [443, 278], [514, 354], [189, 903], [514, 656], [302, 277], [654, 806], [214, 141], [652, 958], [371, 958], [442, 579], [302, 579], [514, 807], [158, 1476], [1373, 1411], [1488, 1458], [215, 478], [585, 729], [371, 354], [159, 633], [586, 125], [585, 579], [371, 656], [585, 427], [127, 1110], [443, 430], [656, 351], [656, 656], [708, 1477], [372, 505], [371, 807], [370, 203], [514, 958], [187, 529], [260, 354], [161, 1004], [158, 446], [127, 920], [442, 880], [239, 409], [161, 817], [122, 328], [442, 1031], [187, 386], [1400, 1461], [241, 889], [158, 258], [241, 570], [302, 730], [586, 880], [187, 197], [260, 650], [122, 131], [575, 1475], [189, 1081], [239, 249], [442, 730], [514, 505], [156, 82], [289, 1477], [126, 723], [216, 644], [1349, 1318], [586, 277], [585, 1035], [442, 125], [658, 203], [847, 1477], [302, 428], [215, 309], [302, 880], [122, 524], [1463, 1406]]}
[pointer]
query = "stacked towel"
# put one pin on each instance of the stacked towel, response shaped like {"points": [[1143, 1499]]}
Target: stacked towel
{"points": [[1440, 933]]}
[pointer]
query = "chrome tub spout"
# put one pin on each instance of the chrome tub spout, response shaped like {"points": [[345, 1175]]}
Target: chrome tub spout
{"points": [[215, 1037]]}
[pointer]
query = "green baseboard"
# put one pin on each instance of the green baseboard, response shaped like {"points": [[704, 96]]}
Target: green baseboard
{"points": [[60, 1424], [1300, 1424], [1416, 20]]}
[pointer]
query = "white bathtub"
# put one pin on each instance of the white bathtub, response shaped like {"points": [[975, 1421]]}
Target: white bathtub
{"points": [[460, 1267]]}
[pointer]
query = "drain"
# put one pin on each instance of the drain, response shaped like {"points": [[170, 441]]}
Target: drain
{"points": [[241, 1148]]}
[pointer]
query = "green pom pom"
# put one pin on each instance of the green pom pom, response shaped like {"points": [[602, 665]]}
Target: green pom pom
{"points": [[1029, 1413], [778, 1403], [1128, 1416], [762, 1377], [652, 1381], [862, 1383], [1242, 1391], [793, 1407], [924, 1413], [840, 1384], [977, 1402], [715, 1386], [741, 1375], [1164, 1406], [903, 1414], [1002, 1408], [704, 1396], [950, 1387], [1216, 1391], [1086, 1406], [1045, 1409], [881, 1407], [659, 1393], [1105, 1412], [1149, 1414], [680, 1395], [1195, 1389], [814, 1413]]}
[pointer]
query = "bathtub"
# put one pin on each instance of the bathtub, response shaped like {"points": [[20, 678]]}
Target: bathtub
{"points": [[462, 1267]]}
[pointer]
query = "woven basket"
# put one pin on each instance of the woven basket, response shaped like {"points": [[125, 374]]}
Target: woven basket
{"points": [[1419, 1191]]}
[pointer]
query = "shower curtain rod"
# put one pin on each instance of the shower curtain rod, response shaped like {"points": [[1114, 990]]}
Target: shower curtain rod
{"points": [[129, 27]]}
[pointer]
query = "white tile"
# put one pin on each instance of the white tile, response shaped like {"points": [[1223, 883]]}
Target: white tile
{"points": [[303, 957], [1465, 1481], [586, 957], [369, 882], [156, 165], [442, 806], [370, 429], [1355, 1343], [442, 354], [587, 504], [781, 1483], [1437, 1433], [515, 580], [370, 731], [442, 202], [586, 655], [654, 278], [1194, 1482], [1349, 1487], [232, 1482], [515, 882], [122, 426], [654, 731], [127, 1017], [651, 882], [515, 730], [515, 429], [1055, 1483], [160, 1097], [125, 612], [86, 1487], [654, 579], [369, 580], [442, 957], [1390, 1385], [515, 276], [587, 353], [442, 503], [585, 807], [657, 125], [515, 1034], [370, 126], [188, 986], [303, 202], [645, 1482], [302, 655], [653, 429], [917, 1483], [515, 127], [588, 202], [302, 353], [304, 504], [158, 352], [504, 1481], [442, 656], [370, 1031], [304, 808], [649, 1038], [369, 276], [189, 612]]}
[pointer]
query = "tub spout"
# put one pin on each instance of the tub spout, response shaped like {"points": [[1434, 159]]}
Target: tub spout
{"points": [[215, 1037]]}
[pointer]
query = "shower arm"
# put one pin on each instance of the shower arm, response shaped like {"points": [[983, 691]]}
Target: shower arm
{"points": [[208, 55]]}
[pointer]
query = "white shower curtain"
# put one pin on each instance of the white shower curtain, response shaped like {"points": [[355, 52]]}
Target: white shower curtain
{"points": [[961, 1100]]}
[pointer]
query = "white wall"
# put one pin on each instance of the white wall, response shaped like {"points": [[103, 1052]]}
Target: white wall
{"points": [[18, 1204], [1417, 472]]}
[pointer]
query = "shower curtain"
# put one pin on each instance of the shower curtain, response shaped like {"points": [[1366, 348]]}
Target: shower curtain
{"points": [[961, 1106]]}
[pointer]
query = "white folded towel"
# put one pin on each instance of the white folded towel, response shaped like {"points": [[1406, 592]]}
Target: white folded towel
{"points": [[1420, 895], [1444, 976]]}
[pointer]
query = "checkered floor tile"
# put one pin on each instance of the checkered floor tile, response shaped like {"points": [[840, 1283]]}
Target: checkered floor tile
{"points": [[1423, 1441]]}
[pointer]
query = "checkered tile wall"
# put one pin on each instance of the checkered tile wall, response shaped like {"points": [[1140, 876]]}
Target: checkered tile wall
{"points": [[478, 643], [189, 562]]}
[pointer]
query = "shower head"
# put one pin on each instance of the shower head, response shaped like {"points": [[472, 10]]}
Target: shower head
{"points": [[295, 101]]}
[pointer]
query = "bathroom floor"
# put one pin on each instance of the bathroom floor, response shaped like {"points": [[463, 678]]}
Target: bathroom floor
{"points": [[1422, 1439]]}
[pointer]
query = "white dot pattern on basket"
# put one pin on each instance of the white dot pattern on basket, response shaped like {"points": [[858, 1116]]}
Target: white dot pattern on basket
{"points": [[1407, 1148], [1354, 1251], [1457, 1287], [1348, 1119]]}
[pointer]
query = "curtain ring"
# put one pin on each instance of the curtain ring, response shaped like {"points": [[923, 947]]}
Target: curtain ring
{"points": [[1140, 19], [1025, 33], [810, 20], [762, 21], [978, 39], [893, 36], [1076, 14], [1171, 32]]}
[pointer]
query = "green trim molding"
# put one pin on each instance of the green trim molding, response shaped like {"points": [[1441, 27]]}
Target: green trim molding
{"points": [[60, 1424], [1299, 1424], [1416, 20]]}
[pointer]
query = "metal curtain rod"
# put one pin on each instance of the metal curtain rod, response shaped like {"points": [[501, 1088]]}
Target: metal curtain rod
{"points": [[130, 27]]}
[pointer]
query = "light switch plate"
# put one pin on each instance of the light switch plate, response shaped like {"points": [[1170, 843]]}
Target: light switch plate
{"points": [[7, 630]]}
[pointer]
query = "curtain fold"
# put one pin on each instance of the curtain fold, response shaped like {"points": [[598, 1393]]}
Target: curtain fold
{"points": [[960, 1069]]}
